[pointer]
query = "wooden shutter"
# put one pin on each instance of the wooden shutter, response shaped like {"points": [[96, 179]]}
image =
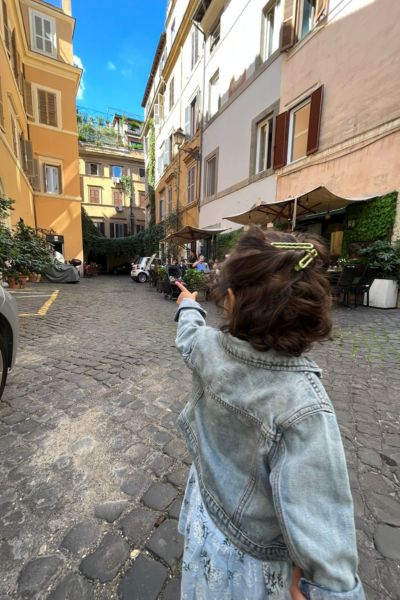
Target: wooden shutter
{"points": [[101, 170], [22, 152], [14, 136], [156, 114], [1, 108], [29, 158], [321, 7], [14, 54], [315, 120], [52, 109], [28, 99], [281, 140], [35, 179], [117, 198], [288, 29], [42, 104], [60, 187], [7, 36], [187, 120]]}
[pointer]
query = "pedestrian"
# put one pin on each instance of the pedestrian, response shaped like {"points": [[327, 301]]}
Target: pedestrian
{"points": [[267, 512], [201, 265]]}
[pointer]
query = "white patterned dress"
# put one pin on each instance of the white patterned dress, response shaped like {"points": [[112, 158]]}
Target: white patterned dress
{"points": [[214, 569]]}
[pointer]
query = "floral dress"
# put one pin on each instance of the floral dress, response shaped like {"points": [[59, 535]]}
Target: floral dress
{"points": [[214, 569]]}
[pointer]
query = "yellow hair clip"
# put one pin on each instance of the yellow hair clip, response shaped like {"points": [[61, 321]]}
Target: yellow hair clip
{"points": [[310, 252]]}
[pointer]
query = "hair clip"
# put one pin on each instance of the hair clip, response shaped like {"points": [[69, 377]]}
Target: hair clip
{"points": [[310, 252]]}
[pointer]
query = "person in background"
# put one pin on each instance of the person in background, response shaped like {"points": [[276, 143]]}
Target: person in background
{"points": [[201, 265], [268, 512]]}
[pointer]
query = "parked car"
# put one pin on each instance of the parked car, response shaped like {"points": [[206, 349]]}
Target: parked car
{"points": [[141, 267], [8, 335]]}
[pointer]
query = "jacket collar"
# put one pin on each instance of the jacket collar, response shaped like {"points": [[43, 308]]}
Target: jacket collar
{"points": [[271, 359]]}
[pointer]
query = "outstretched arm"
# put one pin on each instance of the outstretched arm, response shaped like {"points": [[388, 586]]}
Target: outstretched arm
{"points": [[190, 317]]}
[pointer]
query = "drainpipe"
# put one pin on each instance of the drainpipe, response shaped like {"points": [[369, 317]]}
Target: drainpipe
{"points": [[200, 162]]}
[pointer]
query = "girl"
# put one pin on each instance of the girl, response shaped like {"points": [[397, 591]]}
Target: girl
{"points": [[268, 488]]}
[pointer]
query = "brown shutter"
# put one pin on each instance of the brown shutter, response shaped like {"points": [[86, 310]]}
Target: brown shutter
{"points": [[1, 108], [29, 158], [101, 170], [35, 179], [7, 37], [315, 120], [281, 139], [52, 109], [42, 106], [320, 9], [14, 54], [60, 187], [44, 177], [28, 100], [288, 30], [14, 136]]}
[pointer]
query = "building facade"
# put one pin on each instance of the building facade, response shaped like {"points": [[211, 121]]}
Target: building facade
{"points": [[113, 188], [38, 130], [173, 107]]}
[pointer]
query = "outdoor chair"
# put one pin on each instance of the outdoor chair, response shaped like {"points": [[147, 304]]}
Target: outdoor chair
{"points": [[364, 285], [348, 280]]}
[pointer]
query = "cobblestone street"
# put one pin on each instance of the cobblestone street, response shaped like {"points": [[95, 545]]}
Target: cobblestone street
{"points": [[93, 467]]}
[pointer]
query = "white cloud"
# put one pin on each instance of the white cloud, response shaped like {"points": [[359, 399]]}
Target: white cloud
{"points": [[111, 66], [126, 73], [78, 63]]}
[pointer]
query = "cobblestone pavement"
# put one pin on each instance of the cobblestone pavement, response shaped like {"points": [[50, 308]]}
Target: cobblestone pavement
{"points": [[92, 466]]}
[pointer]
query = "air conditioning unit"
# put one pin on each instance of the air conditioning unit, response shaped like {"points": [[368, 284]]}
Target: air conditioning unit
{"points": [[116, 179], [119, 208]]}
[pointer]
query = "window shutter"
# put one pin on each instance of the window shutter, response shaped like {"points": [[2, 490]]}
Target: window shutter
{"points": [[1, 108], [14, 136], [22, 152], [187, 120], [320, 9], [315, 120], [60, 189], [112, 230], [101, 170], [14, 54], [28, 100], [42, 106], [7, 37], [288, 30], [52, 108], [35, 180], [29, 158], [87, 168], [156, 114], [281, 139], [198, 110]]}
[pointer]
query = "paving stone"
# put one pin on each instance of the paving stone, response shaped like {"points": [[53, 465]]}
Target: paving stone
{"points": [[73, 587], [172, 590], [14, 417], [110, 511], [179, 478], [45, 498], [106, 561], [143, 581], [387, 541], [159, 496], [135, 485], [385, 508], [370, 457], [175, 508], [81, 536], [37, 574], [83, 446], [160, 463], [175, 448], [167, 542], [138, 524]]}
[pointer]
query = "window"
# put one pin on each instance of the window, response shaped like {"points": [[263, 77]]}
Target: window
{"points": [[15, 135], [99, 226], [191, 189], [117, 198], [118, 230], [94, 195], [139, 228], [192, 116], [298, 131], [52, 179], [94, 169], [171, 94], [195, 47], [142, 200], [307, 17], [116, 171], [47, 108], [7, 32], [264, 145], [142, 173], [161, 208], [215, 35], [214, 97], [172, 34], [169, 200], [211, 176], [43, 33], [272, 21]]}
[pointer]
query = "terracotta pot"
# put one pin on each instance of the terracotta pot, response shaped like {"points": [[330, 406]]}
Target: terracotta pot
{"points": [[32, 277], [13, 283], [22, 281]]}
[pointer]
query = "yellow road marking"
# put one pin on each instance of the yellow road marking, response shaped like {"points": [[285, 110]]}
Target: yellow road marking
{"points": [[44, 308]]}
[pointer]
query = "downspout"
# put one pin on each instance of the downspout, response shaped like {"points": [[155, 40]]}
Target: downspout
{"points": [[200, 161]]}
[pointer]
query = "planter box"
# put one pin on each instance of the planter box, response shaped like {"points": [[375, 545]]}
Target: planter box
{"points": [[383, 293]]}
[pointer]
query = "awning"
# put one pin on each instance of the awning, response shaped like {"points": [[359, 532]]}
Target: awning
{"points": [[318, 200], [191, 234]]}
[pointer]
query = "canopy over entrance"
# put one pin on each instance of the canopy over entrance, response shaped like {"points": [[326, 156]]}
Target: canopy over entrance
{"points": [[191, 234], [319, 200]]}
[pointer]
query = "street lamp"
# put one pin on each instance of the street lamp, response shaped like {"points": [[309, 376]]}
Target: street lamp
{"points": [[179, 138]]}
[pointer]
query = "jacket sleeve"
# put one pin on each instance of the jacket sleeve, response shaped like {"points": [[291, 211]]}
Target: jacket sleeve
{"points": [[190, 316], [314, 505]]}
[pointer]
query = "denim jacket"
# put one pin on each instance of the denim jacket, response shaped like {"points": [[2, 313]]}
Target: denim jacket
{"points": [[269, 458]]}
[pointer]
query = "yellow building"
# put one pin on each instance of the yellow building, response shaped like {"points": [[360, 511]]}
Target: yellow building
{"points": [[38, 130], [105, 171]]}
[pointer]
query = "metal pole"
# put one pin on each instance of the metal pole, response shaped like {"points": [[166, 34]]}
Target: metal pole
{"points": [[294, 214]]}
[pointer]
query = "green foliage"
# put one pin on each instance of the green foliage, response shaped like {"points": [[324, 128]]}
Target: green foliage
{"points": [[96, 134], [374, 220], [6, 205], [385, 256], [194, 279], [126, 183], [226, 241]]}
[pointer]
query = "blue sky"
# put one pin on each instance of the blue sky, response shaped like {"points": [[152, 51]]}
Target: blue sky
{"points": [[115, 42]]}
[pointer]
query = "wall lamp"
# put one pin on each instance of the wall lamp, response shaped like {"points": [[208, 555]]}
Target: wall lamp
{"points": [[179, 139]]}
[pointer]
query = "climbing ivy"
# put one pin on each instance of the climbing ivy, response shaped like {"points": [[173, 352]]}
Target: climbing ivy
{"points": [[374, 220]]}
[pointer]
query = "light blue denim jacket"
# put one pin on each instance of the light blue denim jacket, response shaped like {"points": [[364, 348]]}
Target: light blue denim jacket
{"points": [[269, 457]]}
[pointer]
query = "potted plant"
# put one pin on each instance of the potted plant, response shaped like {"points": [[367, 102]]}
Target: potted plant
{"points": [[386, 257], [194, 280]]}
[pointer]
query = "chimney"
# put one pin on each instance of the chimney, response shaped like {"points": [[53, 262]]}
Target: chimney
{"points": [[66, 6]]}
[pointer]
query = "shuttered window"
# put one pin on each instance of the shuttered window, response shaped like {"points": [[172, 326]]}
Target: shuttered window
{"points": [[195, 47], [281, 139], [288, 30], [191, 189], [1, 107], [99, 226], [298, 131], [264, 145], [118, 230], [47, 106], [43, 33], [28, 100], [14, 132], [94, 195], [211, 177], [272, 21], [142, 200], [117, 197], [52, 179], [171, 93], [7, 33]]}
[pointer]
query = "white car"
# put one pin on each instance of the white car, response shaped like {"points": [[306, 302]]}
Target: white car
{"points": [[8, 335], [141, 268]]}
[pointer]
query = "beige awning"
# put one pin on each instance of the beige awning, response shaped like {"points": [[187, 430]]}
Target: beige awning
{"points": [[319, 200], [191, 234]]}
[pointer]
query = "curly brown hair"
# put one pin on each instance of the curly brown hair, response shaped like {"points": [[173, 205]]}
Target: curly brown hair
{"points": [[275, 305]]}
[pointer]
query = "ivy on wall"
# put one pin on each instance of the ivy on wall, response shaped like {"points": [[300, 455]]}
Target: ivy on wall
{"points": [[373, 220], [226, 241]]}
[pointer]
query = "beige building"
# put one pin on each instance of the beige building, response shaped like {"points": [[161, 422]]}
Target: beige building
{"points": [[38, 131], [113, 188]]}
